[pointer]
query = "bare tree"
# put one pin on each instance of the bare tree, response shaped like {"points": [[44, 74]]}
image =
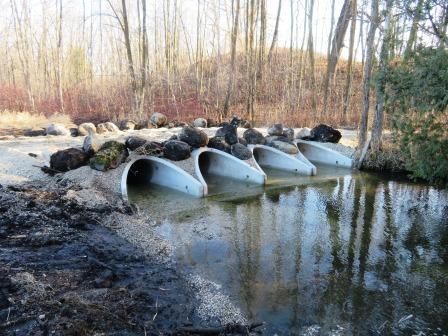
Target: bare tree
{"points": [[349, 77], [377, 129], [311, 52], [336, 46], [275, 36], [234, 36], [362, 136]]}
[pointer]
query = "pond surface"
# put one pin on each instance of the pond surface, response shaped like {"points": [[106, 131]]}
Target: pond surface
{"points": [[340, 253]]}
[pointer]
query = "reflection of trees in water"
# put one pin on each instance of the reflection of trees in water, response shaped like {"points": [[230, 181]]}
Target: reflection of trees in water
{"points": [[246, 241]]}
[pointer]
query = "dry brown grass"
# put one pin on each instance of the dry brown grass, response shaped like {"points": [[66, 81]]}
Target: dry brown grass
{"points": [[27, 120]]}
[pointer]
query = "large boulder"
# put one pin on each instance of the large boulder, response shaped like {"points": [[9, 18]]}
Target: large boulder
{"points": [[133, 142], [86, 128], [176, 123], [245, 124], [56, 129], [200, 122], [284, 147], [289, 133], [68, 159], [219, 143], [110, 156], [127, 125], [111, 127], [158, 119], [276, 129], [241, 152], [194, 137], [91, 144], [304, 132], [253, 137], [325, 133], [176, 150]]}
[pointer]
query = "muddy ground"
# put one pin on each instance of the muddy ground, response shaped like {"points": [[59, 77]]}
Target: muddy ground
{"points": [[64, 273]]}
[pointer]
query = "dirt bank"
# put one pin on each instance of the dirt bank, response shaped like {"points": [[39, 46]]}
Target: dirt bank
{"points": [[64, 271]]}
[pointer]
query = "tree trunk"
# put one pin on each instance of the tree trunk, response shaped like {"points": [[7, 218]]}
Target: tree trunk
{"points": [[362, 137], [336, 46], [275, 36], [311, 54], [232, 59], [414, 28], [348, 79], [378, 120]]}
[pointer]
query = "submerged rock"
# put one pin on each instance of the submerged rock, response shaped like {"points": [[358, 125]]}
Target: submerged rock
{"points": [[200, 122], [325, 133], [127, 125], [241, 152], [110, 156], [276, 129], [85, 128], [158, 119], [134, 142], [284, 147], [176, 150], [253, 137], [194, 137], [219, 143], [56, 129], [68, 159]]}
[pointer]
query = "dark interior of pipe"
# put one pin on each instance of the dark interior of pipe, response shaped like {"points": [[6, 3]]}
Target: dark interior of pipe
{"points": [[140, 172], [204, 162]]}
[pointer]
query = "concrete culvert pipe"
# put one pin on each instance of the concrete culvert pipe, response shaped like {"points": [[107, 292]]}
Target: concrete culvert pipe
{"points": [[210, 161], [149, 170], [269, 157], [318, 153]]}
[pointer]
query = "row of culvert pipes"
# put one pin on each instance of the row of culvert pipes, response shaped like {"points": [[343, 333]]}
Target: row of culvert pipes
{"points": [[188, 177]]}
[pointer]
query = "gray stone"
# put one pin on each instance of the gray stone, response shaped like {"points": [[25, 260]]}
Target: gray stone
{"points": [[68, 159], [194, 137], [303, 133], [200, 122], [219, 143], [91, 144], [110, 155], [111, 127], [56, 129], [158, 119], [127, 125], [253, 137], [289, 133], [241, 152], [285, 147], [176, 150], [84, 128], [101, 129], [133, 142], [276, 129]]}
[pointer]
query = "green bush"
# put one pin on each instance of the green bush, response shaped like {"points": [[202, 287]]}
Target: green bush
{"points": [[418, 100]]}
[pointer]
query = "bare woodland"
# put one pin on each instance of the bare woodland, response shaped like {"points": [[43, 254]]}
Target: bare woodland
{"points": [[114, 59]]}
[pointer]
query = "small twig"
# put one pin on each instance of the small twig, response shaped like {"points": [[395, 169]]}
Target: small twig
{"points": [[155, 315]]}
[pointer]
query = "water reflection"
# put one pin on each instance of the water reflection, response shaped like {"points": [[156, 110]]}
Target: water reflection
{"points": [[354, 253]]}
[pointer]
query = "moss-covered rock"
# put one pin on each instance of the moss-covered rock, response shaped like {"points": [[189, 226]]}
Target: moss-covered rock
{"points": [[110, 156]]}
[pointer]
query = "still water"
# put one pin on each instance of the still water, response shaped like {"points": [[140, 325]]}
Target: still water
{"points": [[340, 253]]}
